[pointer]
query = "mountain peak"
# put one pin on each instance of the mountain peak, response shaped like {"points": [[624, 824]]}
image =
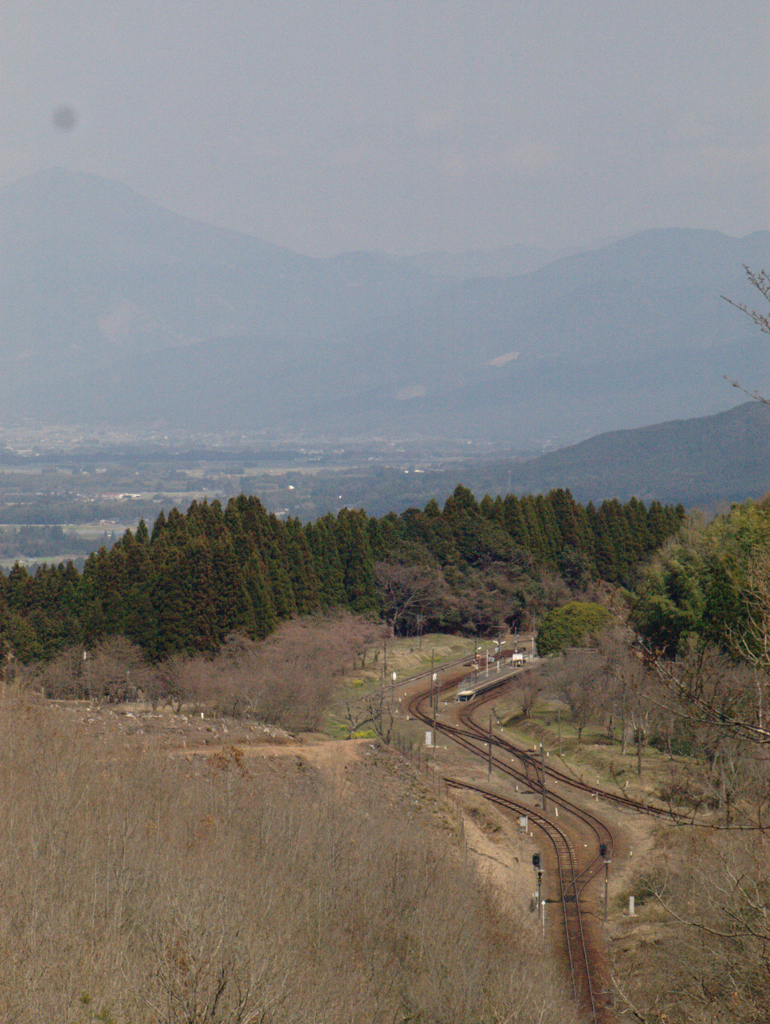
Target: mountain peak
{"points": [[79, 213], [57, 187]]}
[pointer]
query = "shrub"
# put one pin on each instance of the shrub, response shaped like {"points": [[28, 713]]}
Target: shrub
{"points": [[576, 624]]}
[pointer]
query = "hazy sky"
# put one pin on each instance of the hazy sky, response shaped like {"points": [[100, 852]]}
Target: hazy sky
{"points": [[402, 125]]}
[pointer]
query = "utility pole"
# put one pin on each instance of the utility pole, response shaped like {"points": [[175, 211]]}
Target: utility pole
{"points": [[489, 768], [542, 768], [434, 677], [433, 684]]}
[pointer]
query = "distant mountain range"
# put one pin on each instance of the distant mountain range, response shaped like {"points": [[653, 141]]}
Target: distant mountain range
{"points": [[508, 262], [117, 311]]}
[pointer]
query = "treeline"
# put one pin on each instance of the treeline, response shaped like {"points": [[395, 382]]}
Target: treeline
{"points": [[198, 577], [710, 585]]}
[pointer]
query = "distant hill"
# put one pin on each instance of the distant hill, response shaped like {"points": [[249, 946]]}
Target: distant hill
{"points": [[117, 311], [628, 335], [507, 262], [706, 463], [701, 462]]}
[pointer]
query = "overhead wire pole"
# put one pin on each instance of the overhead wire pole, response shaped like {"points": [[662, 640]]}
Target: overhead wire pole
{"points": [[489, 767], [433, 685], [433, 700], [434, 677], [542, 769]]}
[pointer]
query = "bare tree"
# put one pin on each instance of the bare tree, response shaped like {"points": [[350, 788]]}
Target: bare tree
{"points": [[577, 679], [375, 708], [63, 677], [528, 689], [761, 281], [114, 669], [707, 688], [626, 691], [288, 679], [166, 683], [712, 958], [406, 592]]}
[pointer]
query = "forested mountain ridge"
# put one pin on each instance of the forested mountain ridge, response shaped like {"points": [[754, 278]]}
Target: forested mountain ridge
{"points": [[700, 462], [707, 462], [196, 578]]}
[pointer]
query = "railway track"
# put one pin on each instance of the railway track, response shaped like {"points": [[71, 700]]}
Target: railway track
{"points": [[473, 730], [571, 876], [571, 881], [525, 768]]}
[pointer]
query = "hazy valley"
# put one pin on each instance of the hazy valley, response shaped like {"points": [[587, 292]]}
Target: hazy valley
{"points": [[118, 312]]}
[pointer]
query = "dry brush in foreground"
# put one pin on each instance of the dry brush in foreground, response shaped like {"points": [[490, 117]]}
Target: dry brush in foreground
{"points": [[138, 888]]}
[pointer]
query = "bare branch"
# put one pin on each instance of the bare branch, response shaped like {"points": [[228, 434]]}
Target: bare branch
{"points": [[752, 394], [761, 281]]}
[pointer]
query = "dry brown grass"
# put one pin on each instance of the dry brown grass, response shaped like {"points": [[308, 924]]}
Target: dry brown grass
{"points": [[138, 889], [698, 949]]}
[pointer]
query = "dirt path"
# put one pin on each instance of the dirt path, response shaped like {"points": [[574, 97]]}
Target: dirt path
{"points": [[327, 757]]}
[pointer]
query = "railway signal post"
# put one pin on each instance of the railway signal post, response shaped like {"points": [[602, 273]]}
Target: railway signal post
{"points": [[603, 852], [539, 871]]}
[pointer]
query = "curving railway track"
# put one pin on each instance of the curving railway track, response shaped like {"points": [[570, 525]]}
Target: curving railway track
{"points": [[569, 874], [535, 766], [558, 818]]}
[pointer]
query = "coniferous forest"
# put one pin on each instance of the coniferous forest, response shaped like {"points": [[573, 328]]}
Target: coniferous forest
{"points": [[194, 579]]}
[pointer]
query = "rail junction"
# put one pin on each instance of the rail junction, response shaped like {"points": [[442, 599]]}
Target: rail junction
{"points": [[550, 800]]}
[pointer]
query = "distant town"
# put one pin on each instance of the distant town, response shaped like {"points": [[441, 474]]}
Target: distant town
{"points": [[66, 491]]}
